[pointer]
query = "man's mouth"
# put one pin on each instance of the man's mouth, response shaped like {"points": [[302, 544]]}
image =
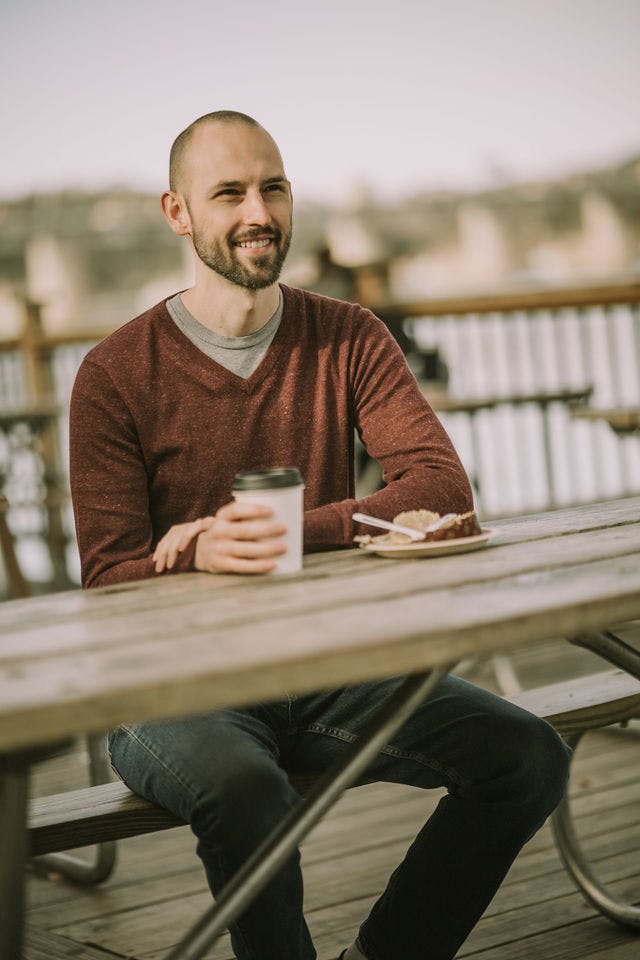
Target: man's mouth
{"points": [[254, 244]]}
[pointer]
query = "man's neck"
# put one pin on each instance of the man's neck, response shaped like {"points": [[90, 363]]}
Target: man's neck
{"points": [[228, 309]]}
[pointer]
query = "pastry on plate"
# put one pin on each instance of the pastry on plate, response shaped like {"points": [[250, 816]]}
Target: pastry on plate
{"points": [[451, 526]]}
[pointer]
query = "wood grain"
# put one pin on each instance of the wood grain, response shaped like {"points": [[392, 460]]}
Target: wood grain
{"points": [[81, 662]]}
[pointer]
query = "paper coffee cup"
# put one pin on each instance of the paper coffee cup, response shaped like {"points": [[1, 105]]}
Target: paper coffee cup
{"points": [[282, 489]]}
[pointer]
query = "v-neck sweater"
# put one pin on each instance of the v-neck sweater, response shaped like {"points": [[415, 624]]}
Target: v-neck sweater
{"points": [[158, 431]]}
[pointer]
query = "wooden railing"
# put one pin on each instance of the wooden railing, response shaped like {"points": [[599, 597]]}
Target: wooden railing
{"points": [[517, 363], [540, 299], [36, 374]]}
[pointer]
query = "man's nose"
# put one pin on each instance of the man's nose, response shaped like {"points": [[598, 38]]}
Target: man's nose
{"points": [[255, 209]]}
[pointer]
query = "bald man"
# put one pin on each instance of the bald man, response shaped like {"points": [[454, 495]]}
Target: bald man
{"points": [[241, 372]]}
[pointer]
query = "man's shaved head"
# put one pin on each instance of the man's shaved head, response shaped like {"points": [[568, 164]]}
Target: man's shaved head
{"points": [[229, 194], [178, 163]]}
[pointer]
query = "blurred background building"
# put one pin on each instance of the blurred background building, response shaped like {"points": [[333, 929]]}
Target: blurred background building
{"points": [[95, 260]]}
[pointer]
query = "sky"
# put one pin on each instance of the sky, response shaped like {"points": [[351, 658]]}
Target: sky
{"points": [[395, 96]]}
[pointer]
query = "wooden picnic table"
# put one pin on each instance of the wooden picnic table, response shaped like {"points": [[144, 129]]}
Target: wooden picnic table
{"points": [[77, 662]]}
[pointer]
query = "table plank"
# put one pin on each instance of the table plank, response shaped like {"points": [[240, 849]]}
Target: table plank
{"points": [[161, 593], [136, 613], [206, 664], [84, 661]]}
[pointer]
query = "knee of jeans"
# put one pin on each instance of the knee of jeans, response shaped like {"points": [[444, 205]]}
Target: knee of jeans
{"points": [[247, 799], [542, 760]]}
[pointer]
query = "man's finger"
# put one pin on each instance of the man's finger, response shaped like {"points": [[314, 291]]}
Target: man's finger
{"points": [[192, 530], [242, 565], [243, 510], [250, 549], [255, 529]]}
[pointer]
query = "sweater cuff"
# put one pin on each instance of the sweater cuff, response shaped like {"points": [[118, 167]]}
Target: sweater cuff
{"points": [[328, 526]]}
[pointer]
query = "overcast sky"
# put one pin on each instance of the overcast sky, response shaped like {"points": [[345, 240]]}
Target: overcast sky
{"points": [[401, 94]]}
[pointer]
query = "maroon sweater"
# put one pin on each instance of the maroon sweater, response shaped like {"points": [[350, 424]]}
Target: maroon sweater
{"points": [[158, 431]]}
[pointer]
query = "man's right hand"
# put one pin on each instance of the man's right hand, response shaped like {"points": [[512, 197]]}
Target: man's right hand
{"points": [[240, 540]]}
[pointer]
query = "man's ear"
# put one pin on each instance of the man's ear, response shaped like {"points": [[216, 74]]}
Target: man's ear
{"points": [[175, 211]]}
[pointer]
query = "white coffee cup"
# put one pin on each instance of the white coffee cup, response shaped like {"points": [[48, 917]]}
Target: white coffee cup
{"points": [[282, 489]]}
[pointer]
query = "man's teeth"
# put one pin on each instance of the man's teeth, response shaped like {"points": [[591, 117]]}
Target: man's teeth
{"points": [[252, 244]]}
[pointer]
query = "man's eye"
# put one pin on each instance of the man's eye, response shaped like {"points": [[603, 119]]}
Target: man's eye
{"points": [[229, 192], [274, 188]]}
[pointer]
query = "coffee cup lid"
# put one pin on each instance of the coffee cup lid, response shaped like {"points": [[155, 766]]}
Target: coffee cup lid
{"points": [[267, 479]]}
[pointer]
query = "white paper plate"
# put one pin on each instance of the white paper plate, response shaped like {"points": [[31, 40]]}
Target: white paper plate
{"points": [[435, 548]]}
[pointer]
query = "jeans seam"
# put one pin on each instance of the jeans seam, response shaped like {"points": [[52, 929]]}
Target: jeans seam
{"points": [[392, 751], [290, 704], [430, 762], [170, 770], [336, 732]]}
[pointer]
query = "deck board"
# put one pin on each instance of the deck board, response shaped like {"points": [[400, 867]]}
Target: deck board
{"points": [[537, 914]]}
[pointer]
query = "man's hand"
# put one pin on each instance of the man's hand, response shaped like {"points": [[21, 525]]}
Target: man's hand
{"points": [[239, 539], [176, 540]]}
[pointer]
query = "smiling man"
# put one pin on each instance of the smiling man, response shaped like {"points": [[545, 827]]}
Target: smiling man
{"points": [[237, 373]]}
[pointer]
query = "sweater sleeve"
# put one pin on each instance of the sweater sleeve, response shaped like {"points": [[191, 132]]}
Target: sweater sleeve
{"points": [[420, 467], [109, 485]]}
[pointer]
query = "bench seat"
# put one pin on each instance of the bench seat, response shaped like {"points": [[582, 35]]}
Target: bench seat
{"points": [[584, 703], [111, 811]]}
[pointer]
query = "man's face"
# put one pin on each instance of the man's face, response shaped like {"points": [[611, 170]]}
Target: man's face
{"points": [[239, 203]]}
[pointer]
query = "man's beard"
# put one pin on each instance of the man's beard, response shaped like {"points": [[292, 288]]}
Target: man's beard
{"points": [[221, 257]]}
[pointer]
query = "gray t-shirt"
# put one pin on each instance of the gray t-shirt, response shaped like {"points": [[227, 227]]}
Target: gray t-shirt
{"points": [[240, 355]]}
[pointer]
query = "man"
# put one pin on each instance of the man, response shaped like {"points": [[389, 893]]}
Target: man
{"points": [[236, 373]]}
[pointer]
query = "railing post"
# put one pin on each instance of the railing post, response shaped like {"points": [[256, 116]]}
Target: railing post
{"points": [[37, 357]]}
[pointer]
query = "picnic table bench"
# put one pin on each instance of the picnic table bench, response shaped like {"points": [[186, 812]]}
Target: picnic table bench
{"points": [[78, 662], [104, 813]]}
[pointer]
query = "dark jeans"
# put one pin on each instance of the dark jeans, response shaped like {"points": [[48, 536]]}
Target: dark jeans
{"points": [[504, 769]]}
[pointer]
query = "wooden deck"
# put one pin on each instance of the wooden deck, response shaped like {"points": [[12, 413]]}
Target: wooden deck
{"points": [[158, 887]]}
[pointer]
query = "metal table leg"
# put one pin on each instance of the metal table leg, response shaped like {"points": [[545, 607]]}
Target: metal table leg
{"points": [[612, 649], [77, 868], [14, 794], [621, 654], [13, 854], [576, 863], [279, 846]]}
